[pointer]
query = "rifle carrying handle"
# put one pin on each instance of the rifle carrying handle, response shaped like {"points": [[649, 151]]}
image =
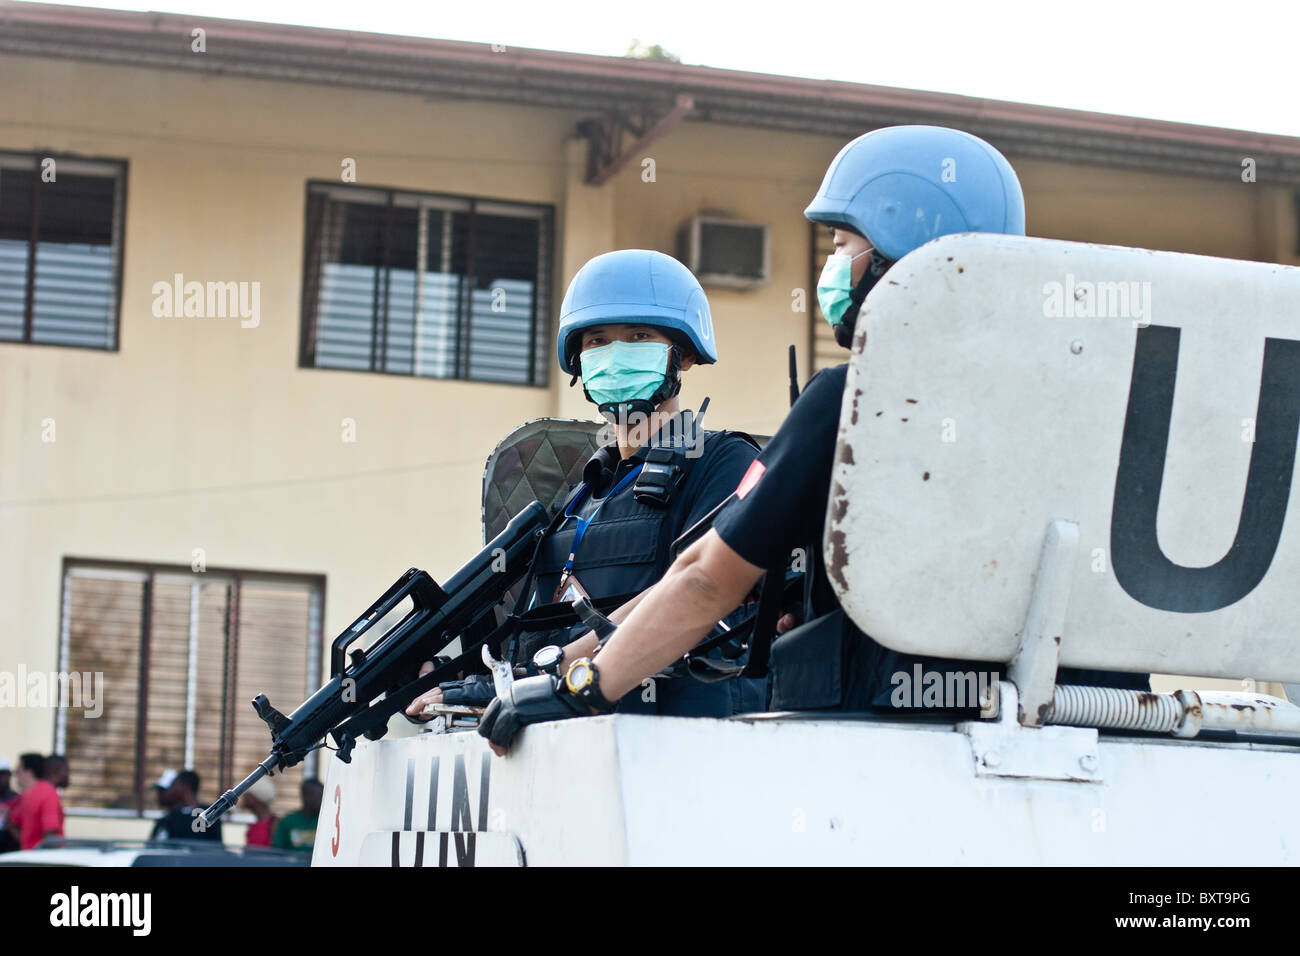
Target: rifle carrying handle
{"points": [[424, 592]]}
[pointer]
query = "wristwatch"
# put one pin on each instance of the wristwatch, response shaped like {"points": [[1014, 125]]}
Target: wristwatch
{"points": [[547, 660], [583, 682]]}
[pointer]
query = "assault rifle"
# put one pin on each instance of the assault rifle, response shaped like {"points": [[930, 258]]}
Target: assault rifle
{"points": [[345, 708]]}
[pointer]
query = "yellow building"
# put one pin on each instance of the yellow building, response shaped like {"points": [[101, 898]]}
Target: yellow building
{"points": [[269, 296]]}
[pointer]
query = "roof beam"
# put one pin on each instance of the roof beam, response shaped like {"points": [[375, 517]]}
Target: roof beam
{"points": [[620, 87], [604, 159]]}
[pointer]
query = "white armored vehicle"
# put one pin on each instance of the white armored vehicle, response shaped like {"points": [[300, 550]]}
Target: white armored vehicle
{"points": [[1050, 454]]}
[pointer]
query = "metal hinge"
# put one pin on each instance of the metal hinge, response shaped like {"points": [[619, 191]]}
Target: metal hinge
{"points": [[1004, 748]]}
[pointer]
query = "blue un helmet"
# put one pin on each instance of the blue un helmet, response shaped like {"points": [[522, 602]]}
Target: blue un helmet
{"points": [[899, 187], [635, 287], [902, 186]]}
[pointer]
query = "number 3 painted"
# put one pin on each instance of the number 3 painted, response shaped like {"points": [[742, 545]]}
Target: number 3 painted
{"points": [[338, 808]]}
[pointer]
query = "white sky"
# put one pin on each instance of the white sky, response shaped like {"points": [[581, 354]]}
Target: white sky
{"points": [[1234, 65]]}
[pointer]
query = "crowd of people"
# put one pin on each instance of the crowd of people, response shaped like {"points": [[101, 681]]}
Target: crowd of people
{"points": [[178, 797], [33, 812]]}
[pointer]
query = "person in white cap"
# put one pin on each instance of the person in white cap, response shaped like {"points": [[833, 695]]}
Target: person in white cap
{"points": [[257, 801], [162, 788], [178, 795]]}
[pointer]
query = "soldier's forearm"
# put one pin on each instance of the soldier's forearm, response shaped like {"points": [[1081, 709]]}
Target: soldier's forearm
{"points": [[624, 611], [706, 583]]}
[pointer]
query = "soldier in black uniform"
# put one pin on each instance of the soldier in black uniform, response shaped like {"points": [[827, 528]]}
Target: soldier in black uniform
{"points": [[630, 323]]}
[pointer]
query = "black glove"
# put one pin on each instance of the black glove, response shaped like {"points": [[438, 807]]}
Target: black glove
{"points": [[532, 700], [473, 691]]}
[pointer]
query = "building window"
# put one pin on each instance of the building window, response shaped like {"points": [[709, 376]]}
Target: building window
{"points": [[420, 284], [823, 351], [181, 654], [60, 250], [1295, 200]]}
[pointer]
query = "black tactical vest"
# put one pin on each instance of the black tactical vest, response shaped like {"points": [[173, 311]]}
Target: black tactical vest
{"points": [[626, 547]]}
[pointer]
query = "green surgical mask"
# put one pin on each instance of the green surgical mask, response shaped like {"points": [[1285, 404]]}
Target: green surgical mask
{"points": [[624, 371], [835, 287]]}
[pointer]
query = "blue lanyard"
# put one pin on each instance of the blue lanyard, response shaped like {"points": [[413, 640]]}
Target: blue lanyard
{"points": [[584, 522]]}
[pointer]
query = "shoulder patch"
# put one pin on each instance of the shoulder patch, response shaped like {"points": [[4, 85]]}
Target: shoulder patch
{"points": [[747, 483]]}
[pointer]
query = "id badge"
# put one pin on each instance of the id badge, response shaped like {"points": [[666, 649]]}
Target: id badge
{"points": [[568, 591]]}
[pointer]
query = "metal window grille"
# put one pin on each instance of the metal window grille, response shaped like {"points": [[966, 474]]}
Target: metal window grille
{"points": [[181, 655], [60, 250], [420, 284]]}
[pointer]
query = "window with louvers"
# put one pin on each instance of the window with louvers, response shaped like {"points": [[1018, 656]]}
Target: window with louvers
{"points": [[60, 250], [822, 346], [428, 285], [182, 655]]}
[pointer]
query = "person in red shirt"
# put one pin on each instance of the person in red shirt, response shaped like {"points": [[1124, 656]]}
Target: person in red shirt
{"points": [[257, 800], [39, 812]]}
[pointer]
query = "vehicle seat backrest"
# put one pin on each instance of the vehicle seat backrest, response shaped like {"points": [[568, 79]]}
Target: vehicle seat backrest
{"points": [[1150, 399], [538, 461]]}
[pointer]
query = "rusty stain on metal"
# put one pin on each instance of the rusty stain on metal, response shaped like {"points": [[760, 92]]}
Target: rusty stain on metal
{"points": [[835, 538], [846, 454], [925, 476], [910, 401], [857, 394], [840, 505], [902, 419]]}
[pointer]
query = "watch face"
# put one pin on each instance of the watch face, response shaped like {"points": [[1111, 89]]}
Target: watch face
{"points": [[579, 677], [548, 656]]}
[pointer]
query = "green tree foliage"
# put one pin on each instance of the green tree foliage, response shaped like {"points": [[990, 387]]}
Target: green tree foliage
{"points": [[645, 51]]}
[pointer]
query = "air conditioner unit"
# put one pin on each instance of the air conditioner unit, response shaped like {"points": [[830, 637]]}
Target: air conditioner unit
{"points": [[727, 253]]}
